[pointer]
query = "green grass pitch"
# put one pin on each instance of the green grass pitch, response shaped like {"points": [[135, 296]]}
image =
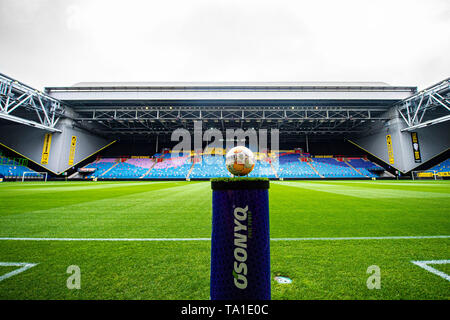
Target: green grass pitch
{"points": [[320, 269]]}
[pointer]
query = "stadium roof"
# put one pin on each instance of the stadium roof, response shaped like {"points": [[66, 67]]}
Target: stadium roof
{"points": [[276, 92], [292, 107], [231, 84]]}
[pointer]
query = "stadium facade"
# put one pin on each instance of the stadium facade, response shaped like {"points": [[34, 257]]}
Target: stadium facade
{"points": [[61, 127]]}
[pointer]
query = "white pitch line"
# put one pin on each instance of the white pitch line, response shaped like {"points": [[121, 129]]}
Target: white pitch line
{"points": [[425, 265], [209, 239], [106, 239], [25, 266], [360, 238]]}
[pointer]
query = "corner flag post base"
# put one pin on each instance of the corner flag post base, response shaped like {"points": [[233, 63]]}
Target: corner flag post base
{"points": [[240, 241]]}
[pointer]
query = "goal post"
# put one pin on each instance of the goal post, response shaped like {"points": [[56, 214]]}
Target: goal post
{"points": [[425, 175], [42, 175]]}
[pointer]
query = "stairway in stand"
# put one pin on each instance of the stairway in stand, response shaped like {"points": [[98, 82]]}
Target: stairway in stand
{"points": [[190, 170], [148, 171], [274, 171], [315, 170], [109, 169], [348, 163]]}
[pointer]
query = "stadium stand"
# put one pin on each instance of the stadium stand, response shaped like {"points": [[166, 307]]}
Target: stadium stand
{"points": [[332, 168], [12, 169], [262, 169], [120, 168], [211, 164], [175, 167], [365, 167], [129, 169], [290, 166], [101, 166], [444, 166]]}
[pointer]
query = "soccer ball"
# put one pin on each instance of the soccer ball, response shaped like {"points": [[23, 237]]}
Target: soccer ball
{"points": [[240, 161]]}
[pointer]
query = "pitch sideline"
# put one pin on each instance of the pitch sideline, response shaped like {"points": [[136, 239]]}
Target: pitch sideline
{"points": [[209, 239]]}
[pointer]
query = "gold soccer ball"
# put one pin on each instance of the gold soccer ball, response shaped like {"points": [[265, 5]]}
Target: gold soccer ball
{"points": [[240, 161]]}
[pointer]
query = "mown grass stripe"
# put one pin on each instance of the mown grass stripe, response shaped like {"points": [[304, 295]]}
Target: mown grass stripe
{"points": [[208, 239], [365, 191], [84, 187]]}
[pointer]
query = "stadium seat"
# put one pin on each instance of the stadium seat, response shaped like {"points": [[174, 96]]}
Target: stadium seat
{"points": [[212, 164], [172, 167], [444, 166], [11, 169], [290, 166], [101, 166], [332, 168], [366, 167]]}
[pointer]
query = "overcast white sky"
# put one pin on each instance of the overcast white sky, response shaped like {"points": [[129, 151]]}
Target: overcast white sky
{"points": [[58, 43]]}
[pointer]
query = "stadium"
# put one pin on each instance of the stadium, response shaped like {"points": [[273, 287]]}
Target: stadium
{"points": [[91, 177]]}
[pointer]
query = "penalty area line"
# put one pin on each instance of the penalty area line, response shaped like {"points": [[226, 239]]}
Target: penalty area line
{"points": [[24, 266], [209, 239], [425, 265]]}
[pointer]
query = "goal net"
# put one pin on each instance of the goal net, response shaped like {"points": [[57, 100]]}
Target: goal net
{"points": [[34, 176], [425, 175]]}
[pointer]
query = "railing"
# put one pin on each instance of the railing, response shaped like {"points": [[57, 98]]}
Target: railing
{"points": [[14, 161]]}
